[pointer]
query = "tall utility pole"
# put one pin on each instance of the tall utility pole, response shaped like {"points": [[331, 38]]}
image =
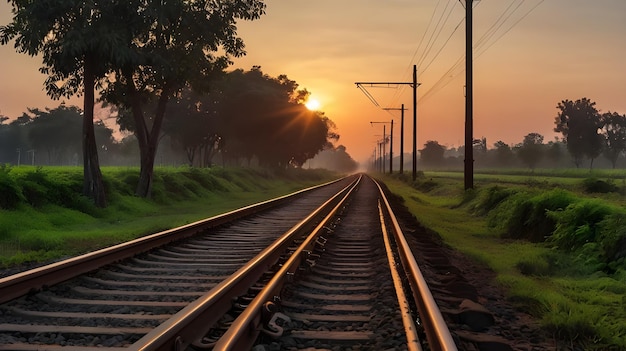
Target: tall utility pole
{"points": [[469, 98], [414, 122], [401, 135]]}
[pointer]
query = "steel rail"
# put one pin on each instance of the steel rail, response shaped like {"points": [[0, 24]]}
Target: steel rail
{"points": [[39, 278], [245, 329], [412, 337], [191, 324], [437, 332]]}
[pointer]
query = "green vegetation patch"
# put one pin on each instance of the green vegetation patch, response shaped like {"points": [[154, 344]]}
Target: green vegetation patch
{"points": [[558, 249]]}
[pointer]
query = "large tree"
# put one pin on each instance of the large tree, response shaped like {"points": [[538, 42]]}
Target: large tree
{"points": [[614, 130], [579, 122], [78, 40], [174, 44]]}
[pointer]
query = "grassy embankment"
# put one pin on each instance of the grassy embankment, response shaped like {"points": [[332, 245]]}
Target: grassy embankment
{"points": [[43, 216], [557, 240]]}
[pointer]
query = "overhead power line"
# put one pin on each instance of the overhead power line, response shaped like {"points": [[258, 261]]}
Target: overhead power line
{"points": [[486, 41]]}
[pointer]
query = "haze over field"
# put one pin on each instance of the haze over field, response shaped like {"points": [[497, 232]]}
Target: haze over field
{"points": [[529, 55]]}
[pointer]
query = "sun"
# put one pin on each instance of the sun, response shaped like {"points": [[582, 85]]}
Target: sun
{"points": [[312, 104]]}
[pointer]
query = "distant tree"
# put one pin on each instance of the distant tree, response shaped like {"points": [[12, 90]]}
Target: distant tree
{"points": [[579, 122], [191, 122], [335, 159], [480, 151], [432, 154], [174, 44], [531, 150], [503, 155], [55, 133], [614, 130], [554, 151]]}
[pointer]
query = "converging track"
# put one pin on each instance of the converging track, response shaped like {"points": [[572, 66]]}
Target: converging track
{"points": [[325, 268]]}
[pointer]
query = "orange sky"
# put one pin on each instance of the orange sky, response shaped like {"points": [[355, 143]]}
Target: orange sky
{"points": [[563, 49]]}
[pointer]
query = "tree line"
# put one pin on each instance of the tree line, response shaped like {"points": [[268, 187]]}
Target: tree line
{"points": [[586, 134], [142, 56], [271, 129]]}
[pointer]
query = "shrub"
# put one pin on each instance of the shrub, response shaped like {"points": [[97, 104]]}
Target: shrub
{"points": [[579, 223], [524, 216], [612, 239], [10, 192], [488, 199], [594, 185]]}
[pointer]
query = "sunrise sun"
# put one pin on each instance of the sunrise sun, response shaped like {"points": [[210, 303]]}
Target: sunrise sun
{"points": [[312, 104]]}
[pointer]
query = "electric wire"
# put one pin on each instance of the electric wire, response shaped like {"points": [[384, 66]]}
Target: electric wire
{"points": [[458, 67], [438, 28]]}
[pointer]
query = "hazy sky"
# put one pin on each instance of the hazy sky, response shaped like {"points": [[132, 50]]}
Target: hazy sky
{"points": [[530, 55]]}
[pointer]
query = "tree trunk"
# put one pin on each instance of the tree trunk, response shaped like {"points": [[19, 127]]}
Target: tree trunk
{"points": [[92, 184], [148, 139]]}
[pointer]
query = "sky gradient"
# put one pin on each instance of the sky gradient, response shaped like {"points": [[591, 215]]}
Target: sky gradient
{"points": [[541, 52]]}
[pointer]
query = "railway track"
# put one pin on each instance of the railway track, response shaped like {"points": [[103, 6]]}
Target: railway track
{"points": [[309, 270]]}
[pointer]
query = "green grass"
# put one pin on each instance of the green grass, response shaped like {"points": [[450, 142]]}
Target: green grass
{"points": [[578, 297], [55, 220]]}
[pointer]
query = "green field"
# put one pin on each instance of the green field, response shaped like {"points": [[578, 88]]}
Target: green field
{"points": [[44, 217], [556, 239]]}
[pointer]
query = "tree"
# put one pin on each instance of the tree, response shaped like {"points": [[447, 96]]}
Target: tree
{"points": [[503, 153], [78, 41], [191, 123], [531, 150], [432, 153], [54, 133], [554, 151], [335, 159], [273, 124], [614, 130], [174, 44], [579, 123]]}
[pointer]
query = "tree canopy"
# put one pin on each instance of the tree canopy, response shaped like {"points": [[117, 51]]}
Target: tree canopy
{"points": [[579, 122], [173, 45]]}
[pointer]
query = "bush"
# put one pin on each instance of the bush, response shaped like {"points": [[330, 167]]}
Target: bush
{"points": [[524, 216], [594, 185], [579, 223], [10, 192], [490, 198], [612, 239]]}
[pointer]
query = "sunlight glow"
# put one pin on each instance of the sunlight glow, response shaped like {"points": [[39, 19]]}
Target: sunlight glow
{"points": [[312, 104]]}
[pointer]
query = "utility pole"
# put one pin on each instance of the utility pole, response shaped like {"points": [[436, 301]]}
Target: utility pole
{"points": [[414, 84], [469, 98], [414, 122], [385, 142], [401, 135]]}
